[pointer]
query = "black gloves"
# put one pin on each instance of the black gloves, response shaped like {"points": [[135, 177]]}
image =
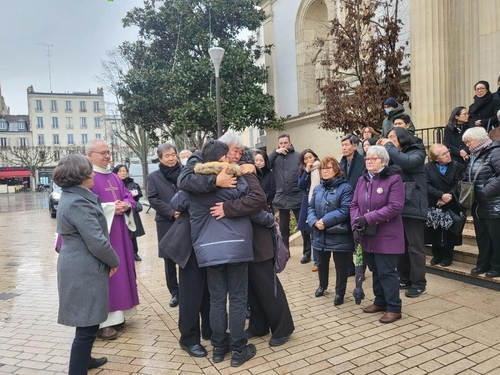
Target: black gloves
{"points": [[361, 221]]}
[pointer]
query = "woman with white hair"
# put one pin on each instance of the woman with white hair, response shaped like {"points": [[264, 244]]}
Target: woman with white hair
{"points": [[378, 201], [484, 170]]}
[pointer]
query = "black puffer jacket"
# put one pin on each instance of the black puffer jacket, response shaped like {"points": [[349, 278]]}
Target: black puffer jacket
{"points": [[411, 160], [487, 186], [286, 168]]}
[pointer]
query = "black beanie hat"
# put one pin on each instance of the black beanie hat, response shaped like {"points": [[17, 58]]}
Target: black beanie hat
{"points": [[485, 83]]}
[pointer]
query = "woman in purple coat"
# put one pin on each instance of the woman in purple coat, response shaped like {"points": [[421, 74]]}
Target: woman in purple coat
{"points": [[379, 200]]}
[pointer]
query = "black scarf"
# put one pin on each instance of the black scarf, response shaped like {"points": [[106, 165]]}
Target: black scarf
{"points": [[480, 103], [171, 173]]}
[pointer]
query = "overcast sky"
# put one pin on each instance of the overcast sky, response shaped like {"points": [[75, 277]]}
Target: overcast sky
{"points": [[80, 31]]}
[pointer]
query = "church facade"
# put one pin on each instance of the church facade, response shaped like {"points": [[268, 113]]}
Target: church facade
{"points": [[453, 44]]}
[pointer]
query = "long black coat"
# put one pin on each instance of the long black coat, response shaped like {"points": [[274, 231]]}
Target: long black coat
{"points": [[437, 185], [268, 184], [484, 109], [355, 171], [453, 140], [411, 160], [286, 171]]}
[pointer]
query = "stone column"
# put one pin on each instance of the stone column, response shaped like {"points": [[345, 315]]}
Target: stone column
{"points": [[430, 62]]}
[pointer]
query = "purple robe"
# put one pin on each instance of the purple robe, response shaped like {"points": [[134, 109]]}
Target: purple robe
{"points": [[122, 285]]}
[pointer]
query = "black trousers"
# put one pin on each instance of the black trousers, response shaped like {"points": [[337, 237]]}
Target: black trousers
{"points": [[134, 244], [267, 311], [488, 242], [162, 228], [285, 231], [385, 280], [194, 302], [411, 264], [81, 349], [341, 260]]}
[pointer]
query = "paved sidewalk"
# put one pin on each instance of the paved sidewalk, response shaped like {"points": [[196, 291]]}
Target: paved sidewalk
{"points": [[453, 329]]}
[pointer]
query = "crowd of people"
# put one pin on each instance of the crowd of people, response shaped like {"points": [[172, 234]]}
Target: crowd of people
{"points": [[381, 197]]}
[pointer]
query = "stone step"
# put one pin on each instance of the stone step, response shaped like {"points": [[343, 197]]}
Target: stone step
{"points": [[460, 271], [465, 253], [469, 224]]}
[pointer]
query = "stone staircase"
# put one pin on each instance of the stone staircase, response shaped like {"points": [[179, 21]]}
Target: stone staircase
{"points": [[464, 259]]}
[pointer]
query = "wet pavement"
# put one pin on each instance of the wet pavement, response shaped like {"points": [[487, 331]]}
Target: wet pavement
{"points": [[453, 329]]}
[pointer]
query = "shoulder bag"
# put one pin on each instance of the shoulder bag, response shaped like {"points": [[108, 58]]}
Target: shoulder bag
{"points": [[466, 189]]}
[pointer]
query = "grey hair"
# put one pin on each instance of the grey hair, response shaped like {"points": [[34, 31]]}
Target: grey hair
{"points": [[477, 133], [91, 145], [379, 151], [72, 170], [231, 139], [165, 147], [184, 151]]}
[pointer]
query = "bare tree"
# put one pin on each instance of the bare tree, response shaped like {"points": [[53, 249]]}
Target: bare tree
{"points": [[32, 158], [368, 65]]}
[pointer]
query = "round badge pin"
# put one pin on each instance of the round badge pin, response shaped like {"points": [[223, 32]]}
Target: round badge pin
{"points": [[380, 190]]}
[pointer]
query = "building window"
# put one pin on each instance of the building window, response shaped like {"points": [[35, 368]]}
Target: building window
{"points": [[53, 105], [96, 106], [41, 140], [3, 142], [57, 155], [3, 125], [97, 122], [38, 105], [39, 122], [69, 122], [22, 125], [23, 142], [84, 139], [83, 122], [68, 106], [97, 136], [83, 107], [55, 139], [71, 141], [55, 123]]}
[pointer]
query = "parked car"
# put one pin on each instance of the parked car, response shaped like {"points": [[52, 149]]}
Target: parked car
{"points": [[54, 196]]}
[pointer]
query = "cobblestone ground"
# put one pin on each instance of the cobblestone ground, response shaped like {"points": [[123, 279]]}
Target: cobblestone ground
{"points": [[453, 329]]}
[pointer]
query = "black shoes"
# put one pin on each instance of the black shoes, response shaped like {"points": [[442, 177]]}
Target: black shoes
{"points": [[278, 341], [219, 353], [445, 262], [96, 362], [492, 274], [239, 358], [339, 300], [174, 301], [137, 258], [414, 292], [320, 292], [305, 259], [478, 271], [435, 260], [196, 350], [404, 285]]}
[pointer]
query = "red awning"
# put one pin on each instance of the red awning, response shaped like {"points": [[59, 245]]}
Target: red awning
{"points": [[14, 174]]}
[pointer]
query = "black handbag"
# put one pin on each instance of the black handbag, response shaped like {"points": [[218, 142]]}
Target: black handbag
{"points": [[368, 230], [466, 195], [339, 228], [457, 215], [138, 206]]}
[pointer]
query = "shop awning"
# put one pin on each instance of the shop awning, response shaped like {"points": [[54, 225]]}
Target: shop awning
{"points": [[14, 174]]}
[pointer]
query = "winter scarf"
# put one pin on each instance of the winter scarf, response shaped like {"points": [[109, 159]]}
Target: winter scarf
{"points": [[482, 144], [480, 103], [171, 173]]}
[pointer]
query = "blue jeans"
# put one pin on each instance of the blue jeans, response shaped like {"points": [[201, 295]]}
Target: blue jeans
{"points": [[229, 279], [81, 349]]}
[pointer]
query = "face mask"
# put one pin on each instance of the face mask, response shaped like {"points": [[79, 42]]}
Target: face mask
{"points": [[387, 110], [184, 161]]}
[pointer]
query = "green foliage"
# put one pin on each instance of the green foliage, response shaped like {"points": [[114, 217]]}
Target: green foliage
{"points": [[170, 85]]}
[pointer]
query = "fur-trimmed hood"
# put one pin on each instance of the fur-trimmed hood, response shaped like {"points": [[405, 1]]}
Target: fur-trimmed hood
{"points": [[215, 167]]}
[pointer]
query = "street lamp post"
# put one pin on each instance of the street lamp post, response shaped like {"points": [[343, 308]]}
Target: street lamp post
{"points": [[216, 54]]}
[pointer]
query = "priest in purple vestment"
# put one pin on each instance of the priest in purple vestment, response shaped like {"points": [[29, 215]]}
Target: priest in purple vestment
{"points": [[117, 204]]}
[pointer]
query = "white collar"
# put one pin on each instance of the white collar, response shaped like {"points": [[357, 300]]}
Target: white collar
{"points": [[101, 170]]}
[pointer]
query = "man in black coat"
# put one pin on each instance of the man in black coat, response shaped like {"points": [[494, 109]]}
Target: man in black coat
{"points": [[353, 166], [162, 186], [285, 164]]}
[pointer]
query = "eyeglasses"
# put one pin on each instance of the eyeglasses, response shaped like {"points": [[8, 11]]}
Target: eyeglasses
{"points": [[228, 157], [445, 153], [371, 160], [481, 89], [102, 153], [464, 114], [326, 169]]}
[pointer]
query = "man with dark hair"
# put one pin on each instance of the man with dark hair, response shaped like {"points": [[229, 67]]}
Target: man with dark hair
{"points": [[285, 163], [404, 121], [392, 108]]}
